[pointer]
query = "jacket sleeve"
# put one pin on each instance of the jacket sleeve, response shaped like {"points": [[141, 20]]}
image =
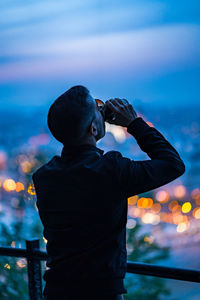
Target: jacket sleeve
{"points": [[165, 165]]}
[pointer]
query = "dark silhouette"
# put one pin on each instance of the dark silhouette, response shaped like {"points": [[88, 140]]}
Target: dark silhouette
{"points": [[82, 194]]}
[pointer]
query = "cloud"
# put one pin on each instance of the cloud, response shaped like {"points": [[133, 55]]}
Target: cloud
{"points": [[28, 11], [68, 19], [133, 53]]}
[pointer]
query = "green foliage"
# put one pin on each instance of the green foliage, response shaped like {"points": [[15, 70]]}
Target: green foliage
{"points": [[144, 251], [142, 248], [13, 276], [13, 279]]}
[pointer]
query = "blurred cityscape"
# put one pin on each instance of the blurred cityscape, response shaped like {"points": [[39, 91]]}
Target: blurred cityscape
{"points": [[170, 214]]}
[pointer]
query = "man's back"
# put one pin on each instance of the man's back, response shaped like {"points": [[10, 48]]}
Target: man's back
{"points": [[82, 202], [84, 218]]}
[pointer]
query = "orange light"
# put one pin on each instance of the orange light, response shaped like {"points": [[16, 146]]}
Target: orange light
{"points": [[13, 244], [168, 218], [176, 209], [173, 205], [195, 193], [26, 166], [197, 200], [196, 213], [31, 189], [149, 239], [132, 200], [156, 208], [196, 196], [19, 187], [144, 202], [150, 202], [9, 185], [178, 218], [140, 202]]}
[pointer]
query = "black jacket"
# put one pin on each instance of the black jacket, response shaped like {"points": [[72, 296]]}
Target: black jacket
{"points": [[82, 202]]}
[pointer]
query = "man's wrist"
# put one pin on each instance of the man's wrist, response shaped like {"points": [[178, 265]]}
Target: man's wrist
{"points": [[132, 121]]}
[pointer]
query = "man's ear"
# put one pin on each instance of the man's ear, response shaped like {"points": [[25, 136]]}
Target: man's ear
{"points": [[93, 129]]}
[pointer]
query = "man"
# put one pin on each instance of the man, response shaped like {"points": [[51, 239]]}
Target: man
{"points": [[82, 195]]}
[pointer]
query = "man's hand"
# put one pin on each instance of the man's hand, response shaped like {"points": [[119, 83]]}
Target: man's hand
{"points": [[123, 110]]}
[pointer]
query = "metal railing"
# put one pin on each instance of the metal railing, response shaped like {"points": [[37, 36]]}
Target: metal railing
{"points": [[34, 255]]}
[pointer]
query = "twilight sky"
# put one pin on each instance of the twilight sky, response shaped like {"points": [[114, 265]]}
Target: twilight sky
{"points": [[142, 49]]}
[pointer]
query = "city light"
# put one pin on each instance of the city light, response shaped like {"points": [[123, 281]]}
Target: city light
{"points": [[7, 266], [132, 200], [31, 189], [180, 191], [181, 227], [196, 196], [45, 240], [131, 223], [13, 244], [150, 218], [19, 187], [173, 205], [144, 202], [3, 160], [41, 139], [196, 213], [186, 207], [22, 263], [26, 166], [9, 185], [162, 196], [149, 239], [156, 208]]}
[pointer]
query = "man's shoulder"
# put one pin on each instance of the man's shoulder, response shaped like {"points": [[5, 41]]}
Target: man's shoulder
{"points": [[112, 154], [111, 159], [45, 167]]}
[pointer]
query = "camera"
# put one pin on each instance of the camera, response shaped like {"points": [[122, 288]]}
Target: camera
{"points": [[106, 112]]}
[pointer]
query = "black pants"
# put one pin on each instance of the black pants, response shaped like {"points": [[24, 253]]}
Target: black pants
{"points": [[85, 297]]}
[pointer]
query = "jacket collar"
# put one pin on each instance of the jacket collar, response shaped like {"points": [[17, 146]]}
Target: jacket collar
{"points": [[74, 150]]}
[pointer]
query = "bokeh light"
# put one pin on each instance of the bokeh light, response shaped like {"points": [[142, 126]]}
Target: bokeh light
{"points": [[9, 185], [186, 207], [162, 196], [132, 200], [179, 191], [19, 186], [181, 227], [196, 213], [144, 202], [31, 189], [131, 223]]}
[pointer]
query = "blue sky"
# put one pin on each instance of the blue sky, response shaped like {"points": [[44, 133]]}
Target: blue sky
{"points": [[147, 50]]}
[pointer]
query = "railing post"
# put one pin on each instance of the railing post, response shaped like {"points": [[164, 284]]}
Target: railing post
{"points": [[34, 271]]}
